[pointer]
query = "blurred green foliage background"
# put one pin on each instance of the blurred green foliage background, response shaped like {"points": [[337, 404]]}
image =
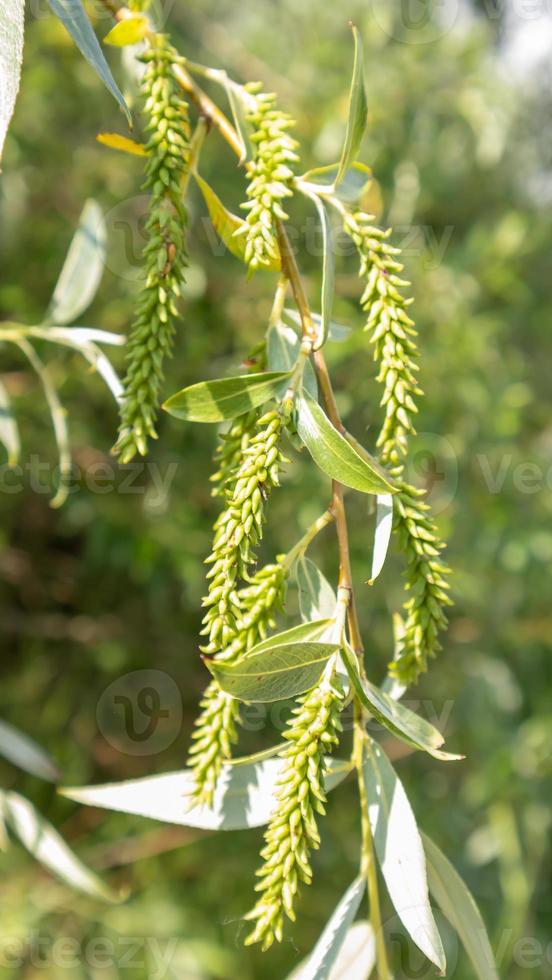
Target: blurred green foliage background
{"points": [[459, 143]]}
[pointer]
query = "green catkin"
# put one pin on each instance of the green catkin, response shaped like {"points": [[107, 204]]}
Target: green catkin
{"points": [[392, 334], [427, 580], [238, 529], [270, 177], [215, 729], [292, 831], [165, 255], [229, 452]]}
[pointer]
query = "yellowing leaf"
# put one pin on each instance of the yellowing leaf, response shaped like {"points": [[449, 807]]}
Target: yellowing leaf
{"points": [[128, 31], [227, 225], [123, 143]]}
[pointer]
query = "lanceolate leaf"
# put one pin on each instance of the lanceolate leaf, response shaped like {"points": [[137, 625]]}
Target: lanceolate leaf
{"points": [[213, 401], [399, 720], [400, 853], [382, 536], [282, 348], [46, 845], [72, 14], [237, 99], [317, 599], [458, 904], [337, 331], [9, 432], [128, 31], [123, 143], [328, 272], [333, 454], [277, 672], [244, 796], [321, 961], [227, 225], [314, 630], [358, 112], [82, 269], [23, 752], [12, 22]]}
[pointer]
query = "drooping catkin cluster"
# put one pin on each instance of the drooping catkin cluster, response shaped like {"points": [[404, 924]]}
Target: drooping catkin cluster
{"points": [[270, 177], [292, 832], [427, 580], [229, 452], [392, 334], [215, 728], [238, 529], [165, 255]]}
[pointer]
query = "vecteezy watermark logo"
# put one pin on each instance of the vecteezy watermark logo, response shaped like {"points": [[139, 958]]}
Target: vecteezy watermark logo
{"points": [[416, 21], [433, 465], [141, 712], [127, 237]]}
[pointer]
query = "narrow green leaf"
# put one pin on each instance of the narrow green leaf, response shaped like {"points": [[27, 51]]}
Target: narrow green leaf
{"points": [[73, 16], [46, 845], [400, 852], [237, 98], [314, 630], [83, 267], [9, 431], [24, 753], [275, 672], [382, 536], [213, 401], [317, 599], [128, 31], [328, 272], [321, 962], [57, 415], [282, 348], [227, 225], [458, 904], [333, 454], [358, 112], [244, 796], [12, 26], [395, 717]]}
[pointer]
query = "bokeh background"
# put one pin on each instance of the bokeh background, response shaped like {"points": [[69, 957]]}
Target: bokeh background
{"points": [[460, 141]]}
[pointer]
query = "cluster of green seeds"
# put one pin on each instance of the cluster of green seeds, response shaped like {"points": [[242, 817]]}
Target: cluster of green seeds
{"points": [[292, 831], [270, 177], [165, 257], [392, 334]]}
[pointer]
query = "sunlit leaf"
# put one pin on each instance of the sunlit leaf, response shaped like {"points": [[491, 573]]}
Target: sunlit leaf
{"points": [[282, 350], [73, 16], [382, 535], [458, 904], [399, 849], [130, 30], [237, 98], [9, 432], [333, 454], [46, 845], [244, 796], [82, 269], [328, 272], [277, 672], [317, 599], [123, 143], [319, 965], [358, 112], [228, 226], [213, 401], [336, 331], [12, 24], [24, 752], [399, 720]]}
